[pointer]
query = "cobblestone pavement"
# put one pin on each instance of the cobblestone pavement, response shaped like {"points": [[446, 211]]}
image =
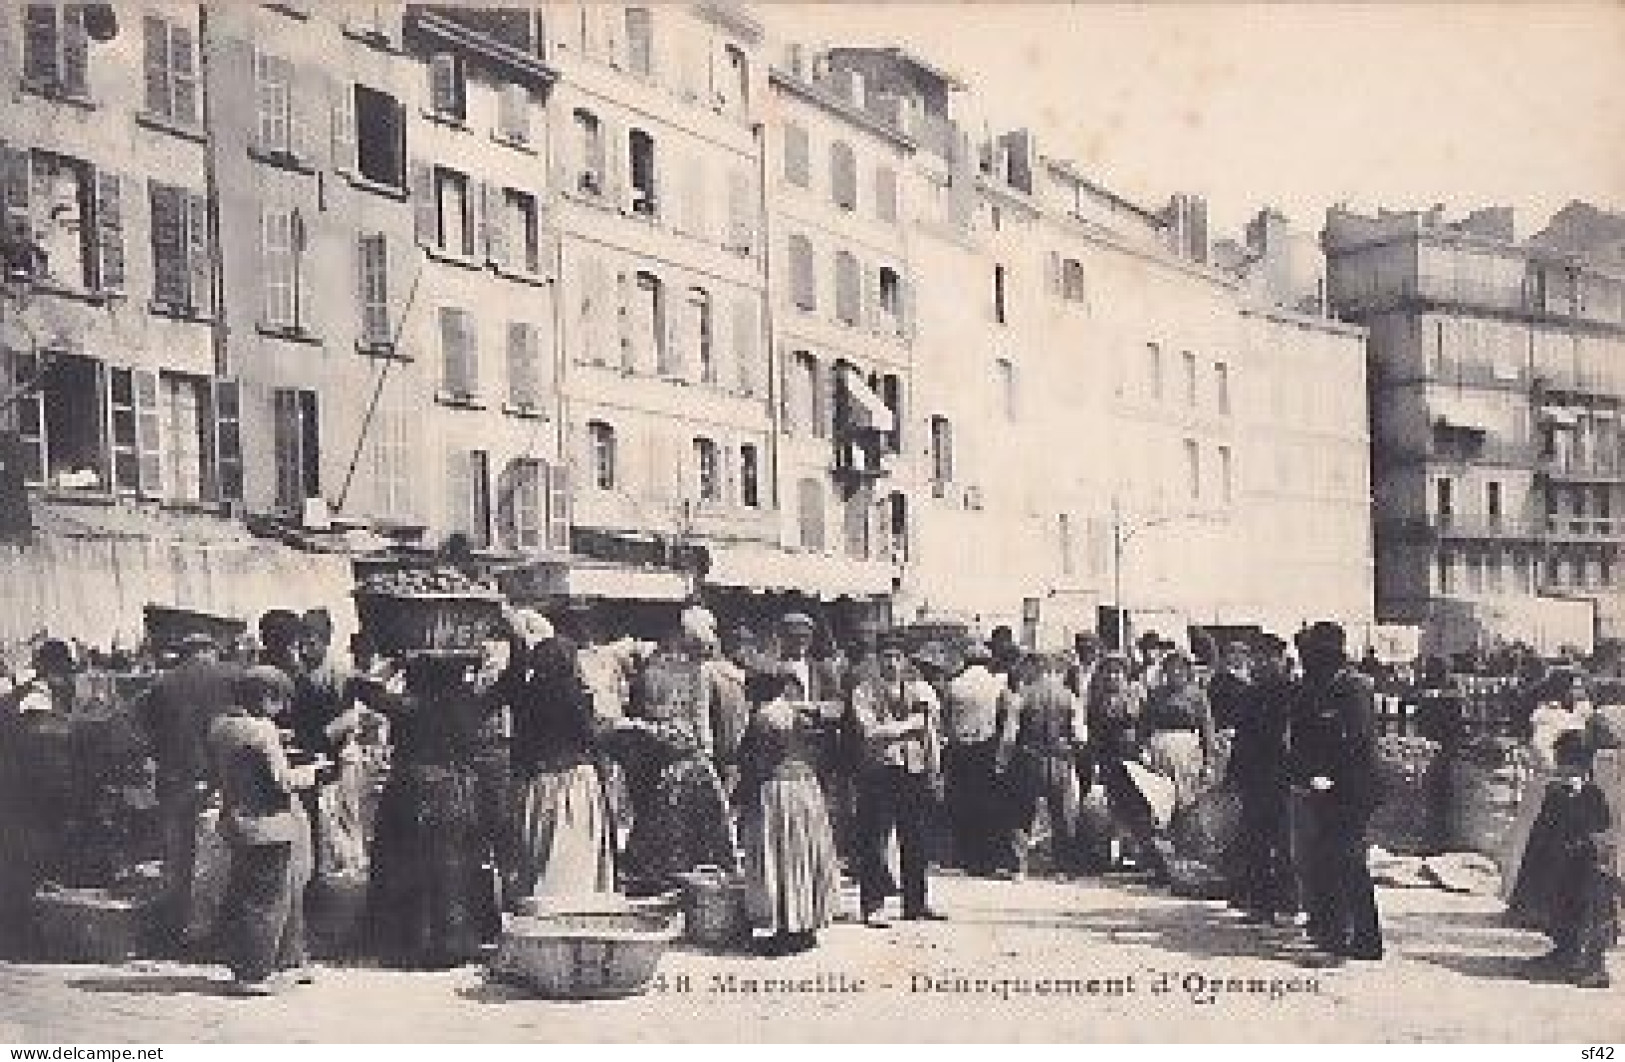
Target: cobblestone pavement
{"points": [[1090, 961]]}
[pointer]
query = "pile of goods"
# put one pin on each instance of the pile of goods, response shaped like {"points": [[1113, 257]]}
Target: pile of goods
{"points": [[438, 610], [1407, 821]]}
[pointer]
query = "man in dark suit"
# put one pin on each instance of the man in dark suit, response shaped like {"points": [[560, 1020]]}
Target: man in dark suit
{"points": [[176, 714], [1333, 735]]}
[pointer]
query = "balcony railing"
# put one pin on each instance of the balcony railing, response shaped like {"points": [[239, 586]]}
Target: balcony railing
{"points": [[1464, 527], [1578, 471], [1585, 528]]}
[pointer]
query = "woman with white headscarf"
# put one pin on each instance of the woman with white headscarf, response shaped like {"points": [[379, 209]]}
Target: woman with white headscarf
{"points": [[565, 843]]}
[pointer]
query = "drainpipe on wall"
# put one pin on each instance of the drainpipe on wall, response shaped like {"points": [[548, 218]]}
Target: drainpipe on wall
{"points": [[218, 329]]}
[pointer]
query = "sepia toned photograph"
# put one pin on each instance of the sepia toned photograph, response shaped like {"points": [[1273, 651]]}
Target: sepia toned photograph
{"points": [[811, 523]]}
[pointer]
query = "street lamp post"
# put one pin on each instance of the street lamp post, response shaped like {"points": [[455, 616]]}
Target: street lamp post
{"points": [[1122, 533]]}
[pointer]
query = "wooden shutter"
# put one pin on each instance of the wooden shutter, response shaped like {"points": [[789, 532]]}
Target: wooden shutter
{"points": [[372, 275], [823, 398], [155, 66], [109, 232], [168, 244], [848, 288], [623, 321], [558, 506], [444, 96], [183, 79], [199, 256], [495, 237], [886, 193], [524, 365], [307, 111], [342, 118], [75, 51], [460, 491], [287, 442], [228, 441], [797, 156], [803, 286], [148, 433], [741, 213], [15, 187], [425, 216], [745, 350], [514, 113], [457, 339], [123, 449], [41, 51]]}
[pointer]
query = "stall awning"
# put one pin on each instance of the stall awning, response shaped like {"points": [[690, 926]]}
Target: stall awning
{"points": [[868, 409], [574, 577], [814, 574]]}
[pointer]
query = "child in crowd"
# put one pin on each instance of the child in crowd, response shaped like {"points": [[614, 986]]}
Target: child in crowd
{"points": [[1580, 901], [262, 924]]}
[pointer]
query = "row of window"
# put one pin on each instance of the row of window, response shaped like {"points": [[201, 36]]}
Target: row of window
{"points": [[1583, 502], [85, 424], [641, 322], [876, 299], [648, 179], [76, 214], [641, 42], [843, 174], [1497, 571], [713, 482], [1194, 392]]}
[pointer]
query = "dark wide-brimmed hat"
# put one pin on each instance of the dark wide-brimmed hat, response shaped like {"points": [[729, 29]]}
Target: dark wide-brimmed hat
{"points": [[932, 655]]}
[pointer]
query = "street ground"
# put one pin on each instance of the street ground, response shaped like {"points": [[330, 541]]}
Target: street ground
{"points": [[1096, 961]]}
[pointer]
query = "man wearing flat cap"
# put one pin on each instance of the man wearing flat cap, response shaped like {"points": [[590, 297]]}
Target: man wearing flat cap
{"points": [[176, 713], [895, 716], [1333, 741], [970, 740]]}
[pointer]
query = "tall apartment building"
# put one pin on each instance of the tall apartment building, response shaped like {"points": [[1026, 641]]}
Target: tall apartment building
{"points": [[1498, 377], [656, 126], [387, 255], [842, 305]]}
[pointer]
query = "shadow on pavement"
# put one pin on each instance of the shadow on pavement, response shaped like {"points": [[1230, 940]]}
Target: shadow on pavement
{"points": [[154, 985], [1496, 967]]}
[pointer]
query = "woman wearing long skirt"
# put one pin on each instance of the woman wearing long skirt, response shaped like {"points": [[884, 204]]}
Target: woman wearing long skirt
{"points": [[1564, 706], [680, 817], [790, 864], [433, 902], [1179, 744], [566, 843]]}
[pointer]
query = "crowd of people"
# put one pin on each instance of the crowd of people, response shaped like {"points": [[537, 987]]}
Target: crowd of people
{"points": [[563, 762]]}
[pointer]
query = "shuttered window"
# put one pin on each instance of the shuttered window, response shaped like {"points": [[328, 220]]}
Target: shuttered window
{"points": [[640, 41], [281, 251], [273, 103], [797, 156], [810, 513], [182, 408], [170, 68], [746, 350], [525, 366], [297, 448], [886, 193], [468, 495], [843, 175], [513, 113], [803, 275], [601, 442], [741, 213], [182, 262], [848, 288], [448, 86], [110, 232], [56, 51], [459, 352], [942, 450], [708, 470], [378, 140], [372, 265]]}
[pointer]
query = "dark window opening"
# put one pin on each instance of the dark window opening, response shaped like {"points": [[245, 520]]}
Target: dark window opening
{"points": [[380, 137]]}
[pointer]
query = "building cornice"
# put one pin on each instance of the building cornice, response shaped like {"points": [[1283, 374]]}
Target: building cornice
{"points": [[855, 115], [441, 30], [1329, 325], [733, 18], [1077, 226]]}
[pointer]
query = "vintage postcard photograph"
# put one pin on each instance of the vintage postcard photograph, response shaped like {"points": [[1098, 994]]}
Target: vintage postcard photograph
{"points": [[729, 522]]}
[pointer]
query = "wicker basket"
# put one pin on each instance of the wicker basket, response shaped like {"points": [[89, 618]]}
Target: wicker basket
{"points": [[716, 913], [429, 623], [600, 953]]}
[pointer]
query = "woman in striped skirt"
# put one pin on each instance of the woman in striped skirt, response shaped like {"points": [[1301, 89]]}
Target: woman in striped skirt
{"points": [[790, 859]]}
